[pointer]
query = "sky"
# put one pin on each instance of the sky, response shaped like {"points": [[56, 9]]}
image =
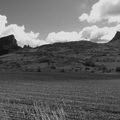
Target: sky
{"points": [[38, 22]]}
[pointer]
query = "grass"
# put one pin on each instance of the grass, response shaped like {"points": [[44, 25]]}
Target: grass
{"points": [[33, 96], [38, 111]]}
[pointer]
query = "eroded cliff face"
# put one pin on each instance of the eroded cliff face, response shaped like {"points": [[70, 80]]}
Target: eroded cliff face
{"points": [[8, 44]]}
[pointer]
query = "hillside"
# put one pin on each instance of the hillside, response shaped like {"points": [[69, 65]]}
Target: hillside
{"points": [[64, 57]]}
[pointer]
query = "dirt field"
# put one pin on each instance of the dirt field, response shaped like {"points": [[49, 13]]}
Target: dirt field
{"points": [[59, 96]]}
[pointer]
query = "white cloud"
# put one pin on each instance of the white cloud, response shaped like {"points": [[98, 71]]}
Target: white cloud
{"points": [[22, 37], [103, 10], [3, 22], [100, 35], [83, 17], [63, 37], [91, 33]]}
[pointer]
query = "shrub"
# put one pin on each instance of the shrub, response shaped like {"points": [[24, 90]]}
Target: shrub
{"points": [[39, 69], [1, 62], [53, 67], [87, 68], [89, 64], [62, 70], [102, 68], [118, 69]]}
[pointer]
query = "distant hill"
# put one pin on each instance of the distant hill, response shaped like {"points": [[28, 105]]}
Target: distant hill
{"points": [[61, 57]]}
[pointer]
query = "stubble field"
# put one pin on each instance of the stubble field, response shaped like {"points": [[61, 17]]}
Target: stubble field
{"points": [[59, 96]]}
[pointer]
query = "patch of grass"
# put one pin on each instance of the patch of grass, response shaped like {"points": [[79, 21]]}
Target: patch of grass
{"points": [[44, 112], [38, 111]]}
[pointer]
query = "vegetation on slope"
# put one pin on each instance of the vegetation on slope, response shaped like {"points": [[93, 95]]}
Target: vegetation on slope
{"points": [[64, 57]]}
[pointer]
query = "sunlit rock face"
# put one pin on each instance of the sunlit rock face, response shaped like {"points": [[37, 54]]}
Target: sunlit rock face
{"points": [[8, 44]]}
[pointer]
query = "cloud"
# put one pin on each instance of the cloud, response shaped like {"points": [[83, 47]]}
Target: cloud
{"points": [[90, 33], [3, 22], [97, 34], [83, 17], [103, 10], [23, 38], [62, 37]]}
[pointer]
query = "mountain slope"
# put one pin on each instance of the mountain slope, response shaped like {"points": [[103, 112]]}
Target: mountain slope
{"points": [[64, 57]]}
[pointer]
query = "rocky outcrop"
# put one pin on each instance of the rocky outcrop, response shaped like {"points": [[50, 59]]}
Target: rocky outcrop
{"points": [[116, 38], [8, 44]]}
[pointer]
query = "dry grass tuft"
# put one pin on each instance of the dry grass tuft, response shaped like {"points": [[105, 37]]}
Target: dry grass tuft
{"points": [[44, 112], [41, 110]]}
